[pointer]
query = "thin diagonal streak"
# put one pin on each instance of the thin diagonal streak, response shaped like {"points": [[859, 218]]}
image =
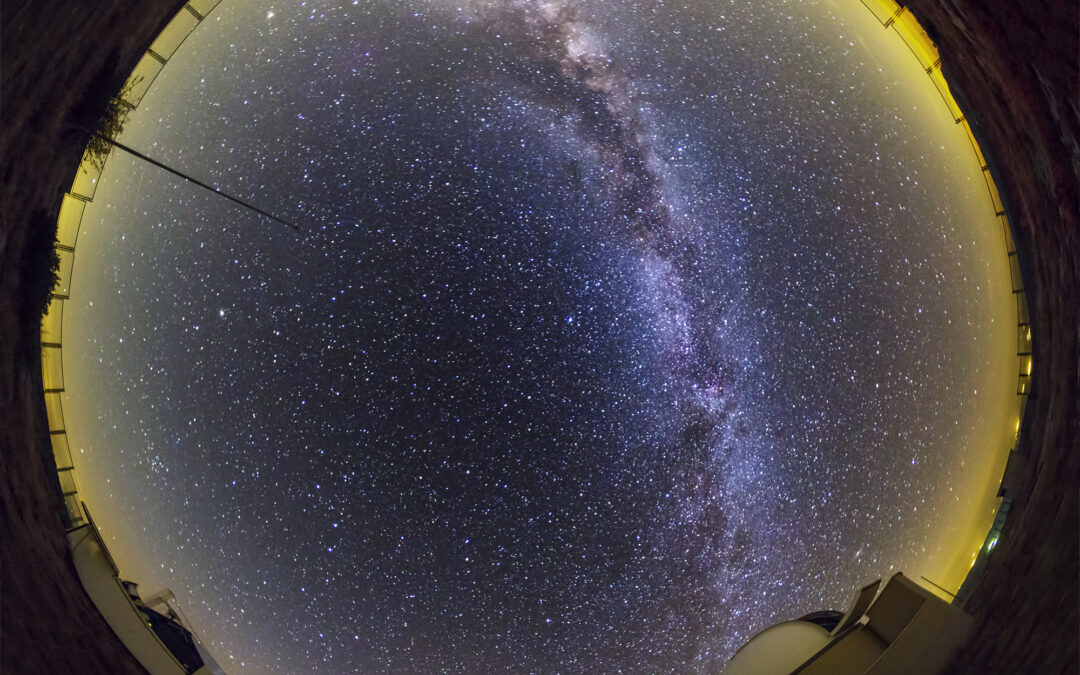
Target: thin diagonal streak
{"points": [[173, 171]]}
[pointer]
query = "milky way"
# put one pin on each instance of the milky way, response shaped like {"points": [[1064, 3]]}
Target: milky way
{"points": [[612, 333]]}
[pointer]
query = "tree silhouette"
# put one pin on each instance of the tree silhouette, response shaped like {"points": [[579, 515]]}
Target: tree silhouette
{"points": [[40, 269], [109, 125]]}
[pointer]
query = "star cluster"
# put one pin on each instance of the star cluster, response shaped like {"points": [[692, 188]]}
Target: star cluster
{"points": [[613, 332]]}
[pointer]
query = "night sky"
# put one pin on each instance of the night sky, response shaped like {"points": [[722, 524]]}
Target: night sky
{"points": [[613, 332]]}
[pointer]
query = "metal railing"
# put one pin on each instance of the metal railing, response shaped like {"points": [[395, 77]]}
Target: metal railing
{"points": [[895, 17], [892, 16], [69, 222]]}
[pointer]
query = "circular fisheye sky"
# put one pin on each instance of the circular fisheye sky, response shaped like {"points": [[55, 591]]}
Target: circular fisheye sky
{"points": [[613, 332]]}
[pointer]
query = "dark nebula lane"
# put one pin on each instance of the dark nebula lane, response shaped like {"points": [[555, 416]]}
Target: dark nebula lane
{"points": [[605, 343]]}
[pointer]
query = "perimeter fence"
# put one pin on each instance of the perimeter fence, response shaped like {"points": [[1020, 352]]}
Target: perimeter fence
{"points": [[890, 14], [72, 208], [895, 17]]}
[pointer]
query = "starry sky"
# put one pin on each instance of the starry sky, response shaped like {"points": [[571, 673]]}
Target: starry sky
{"points": [[612, 333]]}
